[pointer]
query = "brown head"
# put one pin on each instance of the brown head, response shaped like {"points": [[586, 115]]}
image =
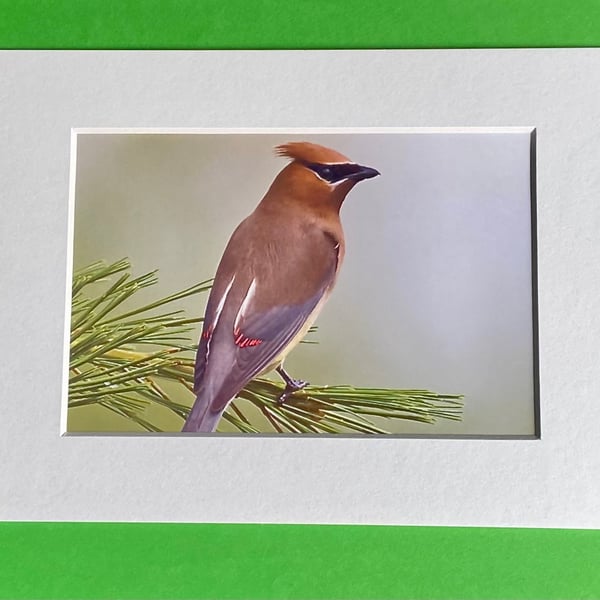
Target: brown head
{"points": [[317, 177]]}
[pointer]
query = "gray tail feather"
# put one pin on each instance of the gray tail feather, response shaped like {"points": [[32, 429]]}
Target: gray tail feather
{"points": [[201, 419]]}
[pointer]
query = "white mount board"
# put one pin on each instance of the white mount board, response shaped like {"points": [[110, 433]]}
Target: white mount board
{"points": [[551, 482]]}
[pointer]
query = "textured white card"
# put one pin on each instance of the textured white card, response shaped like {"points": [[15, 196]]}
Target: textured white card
{"points": [[552, 481]]}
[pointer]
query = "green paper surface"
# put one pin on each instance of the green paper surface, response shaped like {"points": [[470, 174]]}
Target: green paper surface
{"points": [[301, 24], [90, 560], [87, 560]]}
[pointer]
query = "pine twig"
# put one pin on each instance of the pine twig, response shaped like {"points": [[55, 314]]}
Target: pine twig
{"points": [[110, 367]]}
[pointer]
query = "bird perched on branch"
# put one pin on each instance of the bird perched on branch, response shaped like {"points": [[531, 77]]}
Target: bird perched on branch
{"points": [[277, 271]]}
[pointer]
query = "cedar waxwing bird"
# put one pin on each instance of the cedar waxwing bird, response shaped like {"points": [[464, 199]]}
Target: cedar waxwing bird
{"points": [[276, 273]]}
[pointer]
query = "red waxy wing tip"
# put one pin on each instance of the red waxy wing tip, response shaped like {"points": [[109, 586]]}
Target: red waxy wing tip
{"points": [[244, 341]]}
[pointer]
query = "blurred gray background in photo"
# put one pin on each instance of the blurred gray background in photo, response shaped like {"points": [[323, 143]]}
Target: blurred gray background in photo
{"points": [[435, 291]]}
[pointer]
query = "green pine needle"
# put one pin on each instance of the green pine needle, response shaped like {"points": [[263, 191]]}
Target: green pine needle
{"points": [[122, 362]]}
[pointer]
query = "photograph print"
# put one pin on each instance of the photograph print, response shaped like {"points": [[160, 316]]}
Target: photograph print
{"points": [[317, 282]]}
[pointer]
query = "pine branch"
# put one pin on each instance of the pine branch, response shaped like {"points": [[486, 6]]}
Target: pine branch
{"points": [[111, 367]]}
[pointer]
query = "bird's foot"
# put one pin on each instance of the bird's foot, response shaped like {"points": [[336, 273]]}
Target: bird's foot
{"points": [[293, 385]]}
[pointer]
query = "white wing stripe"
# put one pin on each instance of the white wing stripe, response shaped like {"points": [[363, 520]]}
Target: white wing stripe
{"points": [[217, 315], [245, 303], [222, 301]]}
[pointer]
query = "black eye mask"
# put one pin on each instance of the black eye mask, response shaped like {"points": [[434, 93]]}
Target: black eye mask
{"points": [[335, 173]]}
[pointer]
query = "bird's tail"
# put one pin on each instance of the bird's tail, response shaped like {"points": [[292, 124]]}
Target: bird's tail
{"points": [[201, 419]]}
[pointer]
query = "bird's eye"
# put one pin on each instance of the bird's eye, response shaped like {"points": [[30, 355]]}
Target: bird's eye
{"points": [[325, 172]]}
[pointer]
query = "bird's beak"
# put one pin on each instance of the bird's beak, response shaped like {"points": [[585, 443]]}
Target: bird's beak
{"points": [[364, 173]]}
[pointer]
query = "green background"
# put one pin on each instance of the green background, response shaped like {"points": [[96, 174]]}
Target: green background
{"points": [[87, 560]]}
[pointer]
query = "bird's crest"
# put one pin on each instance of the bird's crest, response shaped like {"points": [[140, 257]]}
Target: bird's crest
{"points": [[311, 153]]}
